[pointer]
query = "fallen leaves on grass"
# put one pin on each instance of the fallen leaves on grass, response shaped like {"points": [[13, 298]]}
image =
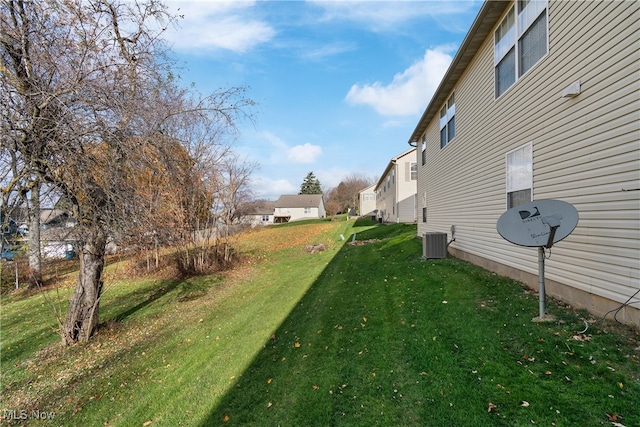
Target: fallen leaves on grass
{"points": [[613, 417], [277, 238], [55, 369]]}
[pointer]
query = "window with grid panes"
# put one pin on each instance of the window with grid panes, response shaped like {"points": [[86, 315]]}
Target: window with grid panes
{"points": [[448, 122], [520, 41], [519, 175]]}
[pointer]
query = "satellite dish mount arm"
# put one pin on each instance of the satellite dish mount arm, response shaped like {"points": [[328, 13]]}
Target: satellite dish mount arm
{"points": [[553, 221]]}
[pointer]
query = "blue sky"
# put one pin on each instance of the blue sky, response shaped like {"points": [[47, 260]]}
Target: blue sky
{"points": [[339, 85]]}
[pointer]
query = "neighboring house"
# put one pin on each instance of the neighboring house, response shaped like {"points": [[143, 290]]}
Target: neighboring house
{"points": [[396, 189], [58, 236], [11, 237], [262, 214], [50, 218], [300, 206], [542, 101], [58, 242], [367, 201]]}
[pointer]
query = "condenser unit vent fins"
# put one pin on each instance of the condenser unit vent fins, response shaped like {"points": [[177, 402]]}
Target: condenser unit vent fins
{"points": [[434, 245]]}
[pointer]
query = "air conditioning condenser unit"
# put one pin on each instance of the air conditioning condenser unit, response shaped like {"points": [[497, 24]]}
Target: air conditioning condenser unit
{"points": [[434, 245]]}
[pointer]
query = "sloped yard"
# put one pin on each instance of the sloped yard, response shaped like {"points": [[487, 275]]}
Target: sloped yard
{"points": [[354, 335]]}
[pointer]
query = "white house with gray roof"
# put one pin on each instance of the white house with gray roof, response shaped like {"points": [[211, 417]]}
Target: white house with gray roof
{"points": [[298, 206]]}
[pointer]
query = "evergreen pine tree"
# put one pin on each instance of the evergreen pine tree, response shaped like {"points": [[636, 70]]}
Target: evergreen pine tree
{"points": [[310, 185]]}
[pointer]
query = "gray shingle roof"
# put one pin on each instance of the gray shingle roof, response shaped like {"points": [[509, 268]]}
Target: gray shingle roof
{"points": [[299, 201]]}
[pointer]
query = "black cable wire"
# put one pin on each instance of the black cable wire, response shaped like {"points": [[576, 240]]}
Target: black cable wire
{"points": [[623, 305]]}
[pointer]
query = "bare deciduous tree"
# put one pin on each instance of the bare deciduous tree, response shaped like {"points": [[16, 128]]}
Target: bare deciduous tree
{"points": [[89, 101], [345, 195], [233, 192]]}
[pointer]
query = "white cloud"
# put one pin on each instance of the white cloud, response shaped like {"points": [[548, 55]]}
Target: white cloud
{"points": [[209, 25], [330, 178], [328, 50], [266, 188], [410, 91], [387, 15], [306, 153], [273, 140]]}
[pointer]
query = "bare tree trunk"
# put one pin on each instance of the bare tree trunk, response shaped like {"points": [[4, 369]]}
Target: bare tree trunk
{"points": [[156, 250], [35, 256], [82, 318]]}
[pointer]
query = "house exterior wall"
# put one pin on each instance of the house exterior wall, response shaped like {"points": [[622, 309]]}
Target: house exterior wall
{"points": [[406, 189], [396, 190], [385, 197], [257, 220], [299, 213], [367, 200], [55, 250], [586, 151], [322, 213]]}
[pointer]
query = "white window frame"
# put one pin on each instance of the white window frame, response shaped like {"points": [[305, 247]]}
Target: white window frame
{"points": [[448, 121], [519, 172], [508, 39]]}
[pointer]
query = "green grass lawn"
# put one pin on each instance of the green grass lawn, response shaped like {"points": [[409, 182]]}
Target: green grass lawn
{"points": [[356, 335]]}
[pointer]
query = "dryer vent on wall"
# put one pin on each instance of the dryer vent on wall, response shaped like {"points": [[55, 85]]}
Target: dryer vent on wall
{"points": [[434, 245]]}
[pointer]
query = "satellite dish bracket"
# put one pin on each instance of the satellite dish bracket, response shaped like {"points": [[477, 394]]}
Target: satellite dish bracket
{"points": [[553, 221]]}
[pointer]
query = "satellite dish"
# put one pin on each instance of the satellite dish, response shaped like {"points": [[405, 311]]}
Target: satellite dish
{"points": [[540, 223]]}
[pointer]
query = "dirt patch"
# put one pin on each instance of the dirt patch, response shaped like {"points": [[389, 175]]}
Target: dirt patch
{"points": [[362, 242]]}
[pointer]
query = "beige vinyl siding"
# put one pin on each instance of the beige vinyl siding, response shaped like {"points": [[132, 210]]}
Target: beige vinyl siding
{"points": [[594, 151], [396, 198], [406, 189], [367, 200], [406, 209], [385, 199], [299, 213], [586, 150]]}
